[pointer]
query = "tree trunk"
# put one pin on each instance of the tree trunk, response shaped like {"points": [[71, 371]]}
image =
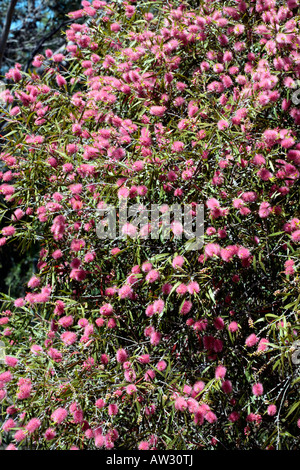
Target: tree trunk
{"points": [[6, 28]]}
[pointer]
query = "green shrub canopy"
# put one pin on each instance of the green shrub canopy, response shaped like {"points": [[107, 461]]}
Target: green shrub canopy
{"points": [[136, 341]]}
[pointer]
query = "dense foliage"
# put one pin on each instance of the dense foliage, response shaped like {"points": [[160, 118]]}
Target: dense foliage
{"points": [[138, 342]]}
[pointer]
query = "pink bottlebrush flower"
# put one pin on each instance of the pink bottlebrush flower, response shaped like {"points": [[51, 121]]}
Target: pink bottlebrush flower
{"points": [[8, 425], [123, 192], [89, 257], [60, 80], [36, 349], [263, 344], [219, 323], [130, 230], [220, 372], [234, 416], [213, 203], [193, 404], [121, 355], [198, 387], [252, 417], [210, 417], [257, 389], [152, 276], [18, 214], [287, 143], [138, 165], [15, 111], [125, 292], [136, 269], [177, 146], [145, 138], [166, 288], [177, 228], [59, 415], [258, 160], [77, 245], [158, 306], [149, 311], [177, 262], [106, 310], [20, 435], [89, 329], [149, 375], [186, 307], [143, 445], [243, 253], [251, 340], [144, 359], [210, 231], [180, 404], [115, 27], [75, 188], [271, 410], [19, 302], [6, 377], [249, 196], [59, 307], [296, 236], [131, 389], [222, 124], [193, 288], [239, 29], [233, 327], [55, 354], [113, 409], [57, 254], [237, 203], [289, 267], [68, 167], [264, 210], [155, 338], [8, 231], [11, 361], [179, 101], [157, 110], [227, 386], [264, 174], [212, 249], [7, 189], [129, 374], [49, 434], [66, 321], [161, 365], [33, 425], [200, 325], [146, 267], [222, 233], [68, 337], [99, 440], [108, 443], [58, 57], [100, 403], [218, 68]]}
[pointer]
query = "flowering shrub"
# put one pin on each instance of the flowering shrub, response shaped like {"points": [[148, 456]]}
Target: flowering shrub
{"points": [[139, 342]]}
